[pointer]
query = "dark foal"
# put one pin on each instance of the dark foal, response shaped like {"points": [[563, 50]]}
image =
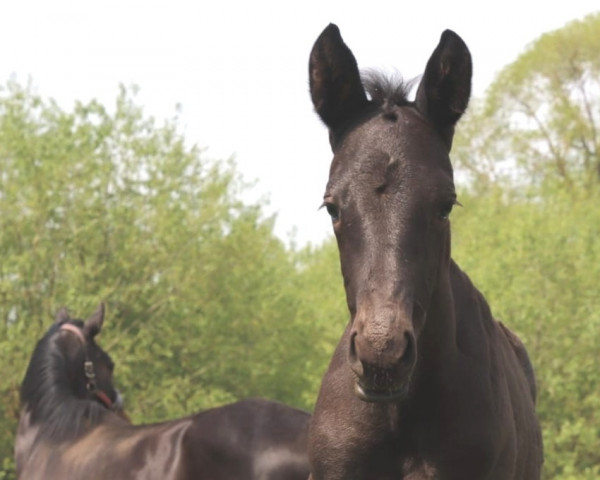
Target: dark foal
{"points": [[424, 383], [71, 426]]}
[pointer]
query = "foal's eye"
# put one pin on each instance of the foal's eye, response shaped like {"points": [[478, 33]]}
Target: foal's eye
{"points": [[333, 211], [446, 209]]}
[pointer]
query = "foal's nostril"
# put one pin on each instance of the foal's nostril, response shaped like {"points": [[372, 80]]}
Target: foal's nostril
{"points": [[353, 346], [355, 361], [409, 353]]}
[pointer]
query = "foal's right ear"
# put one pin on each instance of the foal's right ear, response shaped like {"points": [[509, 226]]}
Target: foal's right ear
{"points": [[445, 88], [335, 86], [93, 325]]}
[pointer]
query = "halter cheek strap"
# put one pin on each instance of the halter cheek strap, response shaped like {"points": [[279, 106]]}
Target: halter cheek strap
{"points": [[88, 367]]}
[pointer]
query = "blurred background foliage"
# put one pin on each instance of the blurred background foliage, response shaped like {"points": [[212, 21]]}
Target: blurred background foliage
{"points": [[206, 305]]}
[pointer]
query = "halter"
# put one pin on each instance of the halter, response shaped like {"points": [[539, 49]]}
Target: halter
{"points": [[88, 368]]}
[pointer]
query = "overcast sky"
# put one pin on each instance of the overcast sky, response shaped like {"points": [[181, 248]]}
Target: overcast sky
{"points": [[239, 69]]}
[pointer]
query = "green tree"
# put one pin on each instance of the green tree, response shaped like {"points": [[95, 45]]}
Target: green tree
{"points": [[531, 149], [528, 232], [539, 121], [538, 264], [104, 204], [322, 304]]}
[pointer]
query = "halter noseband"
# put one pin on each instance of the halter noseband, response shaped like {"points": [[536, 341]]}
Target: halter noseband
{"points": [[88, 368]]}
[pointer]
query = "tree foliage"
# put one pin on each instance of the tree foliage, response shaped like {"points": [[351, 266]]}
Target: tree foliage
{"points": [[540, 119], [538, 264], [322, 303], [528, 235], [103, 204], [206, 305]]}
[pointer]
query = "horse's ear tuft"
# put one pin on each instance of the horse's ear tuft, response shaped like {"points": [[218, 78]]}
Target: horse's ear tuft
{"points": [[93, 325], [445, 88], [335, 86]]}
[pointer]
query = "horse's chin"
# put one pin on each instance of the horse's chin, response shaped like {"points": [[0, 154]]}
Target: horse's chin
{"points": [[380, 396]]}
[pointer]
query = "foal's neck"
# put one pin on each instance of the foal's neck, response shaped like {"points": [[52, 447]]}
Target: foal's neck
{"points": [[437, 341]]}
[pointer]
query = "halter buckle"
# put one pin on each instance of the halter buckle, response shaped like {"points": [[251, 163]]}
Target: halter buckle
{"points": [[88, 368]]}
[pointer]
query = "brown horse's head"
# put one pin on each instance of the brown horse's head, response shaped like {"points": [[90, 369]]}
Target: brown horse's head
{"points": [[69, 381], [389, 195], [95, 379]]}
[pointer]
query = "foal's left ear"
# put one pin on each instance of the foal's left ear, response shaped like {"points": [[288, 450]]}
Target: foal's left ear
{"points": [[62, 316], [445, 88], [335, 86], [93, 325]]}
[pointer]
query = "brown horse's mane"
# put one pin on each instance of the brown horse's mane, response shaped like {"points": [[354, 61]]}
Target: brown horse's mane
{"points": [[48, 393]]}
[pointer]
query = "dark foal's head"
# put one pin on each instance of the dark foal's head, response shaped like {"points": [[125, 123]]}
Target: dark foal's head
{"points": [[97, 366], [69, 380], [389, 194]]}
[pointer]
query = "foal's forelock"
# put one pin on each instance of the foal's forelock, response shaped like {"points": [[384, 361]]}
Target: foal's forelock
{"points": [[385, 89]]}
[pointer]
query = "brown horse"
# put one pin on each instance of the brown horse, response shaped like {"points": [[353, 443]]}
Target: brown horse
{"points": [[70, 426], [424, 383]]}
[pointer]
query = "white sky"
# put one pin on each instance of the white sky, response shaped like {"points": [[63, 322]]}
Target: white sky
{"points": [[239, 69]]}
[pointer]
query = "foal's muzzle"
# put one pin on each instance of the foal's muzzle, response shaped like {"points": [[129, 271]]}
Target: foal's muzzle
{"points": [[382, 361]]}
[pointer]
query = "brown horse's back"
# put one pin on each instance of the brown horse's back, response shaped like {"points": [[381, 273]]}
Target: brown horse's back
{"points": [[248, 440], [112, 450], [252, 439]]}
